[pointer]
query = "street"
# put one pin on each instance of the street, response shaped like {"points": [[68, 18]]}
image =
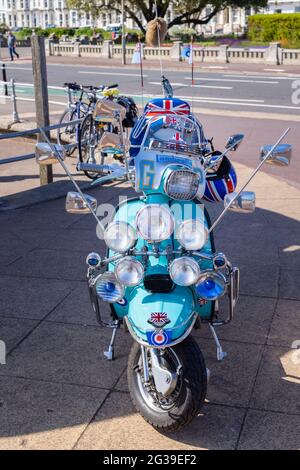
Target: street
{"points": [[266, 91], [57, 391]]}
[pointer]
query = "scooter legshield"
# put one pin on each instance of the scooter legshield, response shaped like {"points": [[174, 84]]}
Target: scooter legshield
{"points": [[160, 319]]}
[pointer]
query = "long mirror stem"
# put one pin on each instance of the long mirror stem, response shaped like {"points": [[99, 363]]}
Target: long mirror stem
{"points": [[56, 152], [248, 181]]}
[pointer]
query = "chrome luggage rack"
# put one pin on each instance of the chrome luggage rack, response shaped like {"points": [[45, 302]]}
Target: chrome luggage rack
{"points": [[176, 147]]}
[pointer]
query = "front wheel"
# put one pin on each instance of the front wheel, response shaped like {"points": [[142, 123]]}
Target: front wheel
{"points": [[177, 409]]}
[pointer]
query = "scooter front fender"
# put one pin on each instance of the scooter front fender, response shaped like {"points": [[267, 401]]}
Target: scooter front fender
{"points": [[177, 308]]}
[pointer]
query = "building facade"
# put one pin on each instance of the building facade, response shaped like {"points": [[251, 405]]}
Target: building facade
{"points": [[45, 13]]}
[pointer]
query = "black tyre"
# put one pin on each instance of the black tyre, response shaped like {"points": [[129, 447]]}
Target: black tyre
{"points": [[68, 134], [185, 401], [88, 139]]}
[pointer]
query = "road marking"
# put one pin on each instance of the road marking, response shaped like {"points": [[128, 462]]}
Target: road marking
{"points": [[195, 86], [204, 79], [114, 73], [17, 68], [260, 76], [273, 70], [230, 101], [173, 84], [213, 86]]}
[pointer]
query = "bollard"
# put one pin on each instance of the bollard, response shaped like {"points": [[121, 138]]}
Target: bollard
{"points": [[4, 78], [14, 100]]}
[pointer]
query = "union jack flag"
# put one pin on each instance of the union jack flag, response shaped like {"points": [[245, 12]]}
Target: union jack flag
{"points": [[167, 106], [158, 319]]}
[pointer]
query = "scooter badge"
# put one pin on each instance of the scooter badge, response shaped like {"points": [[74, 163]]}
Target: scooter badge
{"points": [[159, 319]]}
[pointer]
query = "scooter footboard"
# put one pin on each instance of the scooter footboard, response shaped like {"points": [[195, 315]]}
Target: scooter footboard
{"points": [[161, 319]]}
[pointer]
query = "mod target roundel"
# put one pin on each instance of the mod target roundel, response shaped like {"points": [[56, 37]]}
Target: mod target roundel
{"points": [[159, 338]]}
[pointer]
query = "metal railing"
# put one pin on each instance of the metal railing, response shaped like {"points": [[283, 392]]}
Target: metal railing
{"points": [[31, 132], [10, 93]]}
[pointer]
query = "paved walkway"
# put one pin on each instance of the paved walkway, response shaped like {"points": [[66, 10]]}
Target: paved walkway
{"points": [[57, 391]]}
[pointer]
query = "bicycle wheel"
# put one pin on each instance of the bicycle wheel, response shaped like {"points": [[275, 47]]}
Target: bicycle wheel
{"points": [[88, 138], [68, 134]]}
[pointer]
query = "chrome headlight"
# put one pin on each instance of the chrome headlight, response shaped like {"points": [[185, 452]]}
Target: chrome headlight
{"points": [[184, 271], [192, 234], [154, 223], [120, 236], [211, 285], [182, 185], [129, 271], [108, 288]]}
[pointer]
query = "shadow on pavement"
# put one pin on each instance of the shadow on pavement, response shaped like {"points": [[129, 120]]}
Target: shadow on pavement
{"points": [[58, 391]]}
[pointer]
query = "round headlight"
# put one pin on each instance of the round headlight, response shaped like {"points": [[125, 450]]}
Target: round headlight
{"points": [[129, 271], [182, 185], [108, 288], [93, 260], [184, 271], [155, 223], [120, 236], [192, 234], [211, 285]]}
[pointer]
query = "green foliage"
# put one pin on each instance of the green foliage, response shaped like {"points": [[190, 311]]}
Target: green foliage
{"points": [[281, 27]]}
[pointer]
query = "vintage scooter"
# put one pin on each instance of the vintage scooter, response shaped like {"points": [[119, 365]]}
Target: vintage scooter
{"points": [[162, 274]]}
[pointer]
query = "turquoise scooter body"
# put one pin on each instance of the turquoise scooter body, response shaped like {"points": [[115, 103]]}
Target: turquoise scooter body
{"points": [[181, 304]]}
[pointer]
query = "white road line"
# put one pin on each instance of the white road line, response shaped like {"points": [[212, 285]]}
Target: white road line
{"points": [[273, 70], [121, 74], [213, 99], [213, 86], [195, 86], [173, 84], [8, 67], [260, 76], [204, 79]]}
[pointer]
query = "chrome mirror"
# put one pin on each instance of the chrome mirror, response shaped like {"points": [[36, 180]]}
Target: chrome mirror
{"points": [[234, 141], [111, 143], [46, 156], [280, 156], [108, 111], [76, 205], [245, 202]]}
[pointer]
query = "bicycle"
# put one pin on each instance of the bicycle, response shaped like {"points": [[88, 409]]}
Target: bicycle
{"points": [[91, 131], [76, 109]]}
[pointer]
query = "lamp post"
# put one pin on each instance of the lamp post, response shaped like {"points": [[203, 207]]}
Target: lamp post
{"points": [[123, 34]]}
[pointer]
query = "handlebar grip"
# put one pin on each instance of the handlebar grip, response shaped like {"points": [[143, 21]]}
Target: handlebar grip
{"points": [[115, 85]]}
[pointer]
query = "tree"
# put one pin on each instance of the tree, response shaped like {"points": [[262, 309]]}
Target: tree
{"points": [[187, 11]]}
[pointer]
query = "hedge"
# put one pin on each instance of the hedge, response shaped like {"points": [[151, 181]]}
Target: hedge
{"points": [[281, 27]]}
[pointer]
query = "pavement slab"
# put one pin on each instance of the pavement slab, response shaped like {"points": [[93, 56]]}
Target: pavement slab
{"points": [[270, 431], [216, 427], [65, 353], [61, 264], [14, 330], [285, 325], [277, 384], [44, 415], [30, 298], [232, 379], [289, 284], [251, 323]]}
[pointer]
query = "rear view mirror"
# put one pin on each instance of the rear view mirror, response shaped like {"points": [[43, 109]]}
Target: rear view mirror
{"points": [[76, 205], [245, 202], [234, 141], [46, 156], [280, 156]]}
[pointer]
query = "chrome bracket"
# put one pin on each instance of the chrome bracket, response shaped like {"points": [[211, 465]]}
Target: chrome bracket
{"points": [[220, 353], [109, 354]]}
